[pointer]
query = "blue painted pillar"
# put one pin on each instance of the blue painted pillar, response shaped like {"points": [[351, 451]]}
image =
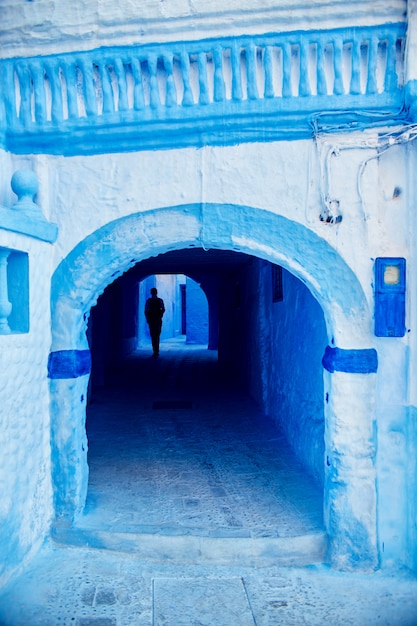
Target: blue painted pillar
{"points": [[68, 371], [350, 477]]}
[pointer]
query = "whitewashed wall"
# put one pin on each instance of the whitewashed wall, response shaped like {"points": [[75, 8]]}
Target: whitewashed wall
{"points": [[85, 24], [375, 197], [81, 194], [25, 468]]}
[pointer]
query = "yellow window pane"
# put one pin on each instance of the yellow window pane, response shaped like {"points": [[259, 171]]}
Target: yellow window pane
{"points": [[392, 275]]}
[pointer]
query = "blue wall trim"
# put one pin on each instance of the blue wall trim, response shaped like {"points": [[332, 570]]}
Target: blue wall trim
{"points": [[69, 364], [350, 361]]}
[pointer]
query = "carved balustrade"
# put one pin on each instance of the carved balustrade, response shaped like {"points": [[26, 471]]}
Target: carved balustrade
{"points": [[190, 93]]}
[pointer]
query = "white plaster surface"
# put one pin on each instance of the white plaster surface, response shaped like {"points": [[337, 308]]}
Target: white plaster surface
{"points": [[284, 177], [82, 194], [25, 478], [46, 25], [291, 179]]}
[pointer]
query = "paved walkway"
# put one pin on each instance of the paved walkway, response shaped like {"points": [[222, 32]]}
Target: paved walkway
{"points": [[174, 450], [197, 515]]}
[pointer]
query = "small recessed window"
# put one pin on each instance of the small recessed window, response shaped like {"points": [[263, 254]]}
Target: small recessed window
{"points": [[14, 291]]}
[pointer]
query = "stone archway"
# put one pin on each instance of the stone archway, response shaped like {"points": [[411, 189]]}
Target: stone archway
{"points": [[349, 361]]}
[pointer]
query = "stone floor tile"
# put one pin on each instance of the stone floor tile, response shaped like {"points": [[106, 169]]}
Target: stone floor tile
{"points": [[203, 602], [219, 465]]}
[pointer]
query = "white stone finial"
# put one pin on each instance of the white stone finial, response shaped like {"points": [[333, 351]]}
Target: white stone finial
{"points": [[25, 185]]}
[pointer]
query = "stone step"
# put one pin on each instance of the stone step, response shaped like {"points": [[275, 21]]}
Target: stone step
{"points": [[182, 549]]}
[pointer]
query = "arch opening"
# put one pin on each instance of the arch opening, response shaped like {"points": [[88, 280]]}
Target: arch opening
{"points": [[210, 410], [117, 325], [272, 239]]}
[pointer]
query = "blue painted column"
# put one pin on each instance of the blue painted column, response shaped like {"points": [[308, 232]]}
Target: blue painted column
{"points": [[68, 371], [350, 477]]}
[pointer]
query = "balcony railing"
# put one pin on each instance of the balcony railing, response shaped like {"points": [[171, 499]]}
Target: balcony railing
{"points": [[191, 93]]}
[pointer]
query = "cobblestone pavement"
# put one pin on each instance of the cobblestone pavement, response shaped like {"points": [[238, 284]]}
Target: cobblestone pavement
{"points": [[182, 461], [172, 449], [85, 587]]}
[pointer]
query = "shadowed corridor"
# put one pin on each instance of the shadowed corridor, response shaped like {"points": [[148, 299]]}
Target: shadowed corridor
{"points": [[177, 448]]}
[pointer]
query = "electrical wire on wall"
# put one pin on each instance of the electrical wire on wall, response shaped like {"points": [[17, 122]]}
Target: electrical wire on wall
{"points": [[381, 142]]}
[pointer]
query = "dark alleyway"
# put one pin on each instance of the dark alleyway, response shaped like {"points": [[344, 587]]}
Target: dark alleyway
{"points": [[175, 448]]}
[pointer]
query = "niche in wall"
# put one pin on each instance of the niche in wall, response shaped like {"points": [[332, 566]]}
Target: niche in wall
{"points": [[14, 291]]}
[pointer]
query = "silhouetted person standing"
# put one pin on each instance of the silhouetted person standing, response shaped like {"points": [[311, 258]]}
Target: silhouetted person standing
{"points": [[154, 312]]}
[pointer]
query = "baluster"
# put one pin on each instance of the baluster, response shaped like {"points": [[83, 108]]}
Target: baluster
{"points": [[269, 84], [69, 69], [154, 98], [187, 99], [202, 79], [171, 92], [236, 77], [121, 81], [219, 87], [321, 73], [56, 92], [251, 72], [304, 85], [286, 70], [90, 98], [391, 77], [107, 88], [371, 86], [5, 304], [138, 99], [355, 82], [9, 93], [23, 74], [38, 78], [338, 88]]}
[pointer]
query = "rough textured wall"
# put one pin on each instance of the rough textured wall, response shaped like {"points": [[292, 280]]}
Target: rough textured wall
{"points": [[288, 339], [300, 337], [280, 178], [25, 480], [412, 367], [397, 390], [84, 24], [286, 178], [197, 313]]}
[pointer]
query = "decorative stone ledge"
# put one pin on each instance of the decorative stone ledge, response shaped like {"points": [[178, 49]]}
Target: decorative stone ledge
{"points": [[25, 216]]}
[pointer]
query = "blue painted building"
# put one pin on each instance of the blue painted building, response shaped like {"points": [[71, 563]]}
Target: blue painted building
{"points": [[268, 154]]}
